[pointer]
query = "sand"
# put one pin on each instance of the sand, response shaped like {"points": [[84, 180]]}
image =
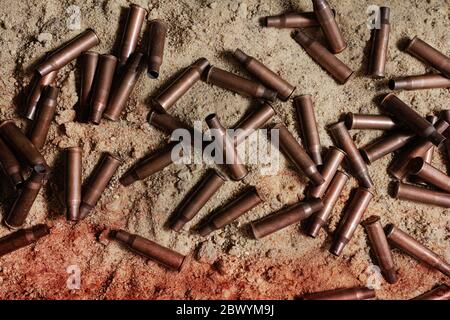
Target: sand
{"points": [[229, 264]]}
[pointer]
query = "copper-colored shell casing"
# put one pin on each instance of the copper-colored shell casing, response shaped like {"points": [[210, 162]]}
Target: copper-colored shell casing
{"points": [[253, 121], [343, 139], [329, 200], [155, 50], [330, 28], [293, 20], [231, 211], [441, 292], [73, 182], [426, 172], [342, 294], [130, 38], [36, 93], [22, 238], [71, 50], [167, 123], [386, 144], [430, 55], [412, 119], [380, 43], [191, 205], [305, 112], [269, 78], [380, 247], [238, 84], [45, 115], [167, 98], [285, 217], [333, 160], [98, 183], [89, 62], [399, 167], [417, 250], [338, 70], [150, 249], [22, 206], [122, 89], [298, 155], [102, 86], [369, 122], [350, 220], [22, 146], [10, 165], [224, 143], [425, 81], [418, 194]]}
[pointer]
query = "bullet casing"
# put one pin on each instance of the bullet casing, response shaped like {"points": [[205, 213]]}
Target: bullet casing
{"points": [[369, 122], [298, 156], [380, 44], [293, 20], [155, 51], [73, 182], [89, 62], [338, 70], [253, 122], [420, 168], [417, 250], [441, 292], [418, 194], [329, 26], [10, 165], [285, 217], [425, 81], [130, 38], [343, 139], [350, 220], [150, 249], [36, 91], [21, 238], [22, 206], [167, 98], [342, 294], [267, 77], [310, 134], [238, 84], [71, 50], [98, 183], [422, 50], [167, 123], [230, 212]]}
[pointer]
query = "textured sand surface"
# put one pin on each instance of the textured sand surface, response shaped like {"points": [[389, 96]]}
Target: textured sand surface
{"points": [[228, 264]]}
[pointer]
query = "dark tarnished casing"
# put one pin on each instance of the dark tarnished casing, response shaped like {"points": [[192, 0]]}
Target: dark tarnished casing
{"points": [[368, 122], [305, 112], [333, 160], [98, 183], [45, 115], [380, 44], [130, 38], [293, 20], [380, 246], [167, 98], [351, 218], [21, 238], [22, 146], [238, 84], [73, 182], [36, 91], [269, 78], [417, 250], [71, 50], [342, 294], [329, 26], [425, 81], [22, 206], [230, 157], [431, 175], [231, 211], [200, 195], [441, 292], [150, 249], [89, 62], [430, 55], [122, 89], [155, 50], [343, 139], [319, 219], [253, 122], [167, 123], [412, 119], [10, 165], [285, 217], [338, 70], [102, 86], [418, 194]]}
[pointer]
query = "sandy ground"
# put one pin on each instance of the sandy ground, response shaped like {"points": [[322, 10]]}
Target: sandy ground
{"points": [[228, 264]]}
